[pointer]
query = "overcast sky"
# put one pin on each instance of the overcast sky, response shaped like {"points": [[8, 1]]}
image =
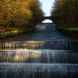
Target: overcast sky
{"points": [[47, 6]]}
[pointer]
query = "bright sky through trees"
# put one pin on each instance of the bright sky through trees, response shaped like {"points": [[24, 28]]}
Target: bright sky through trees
{"points": [[47, 6]]}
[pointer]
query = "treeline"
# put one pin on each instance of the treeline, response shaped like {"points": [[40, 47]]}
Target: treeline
{"points": [[65, 13], [20, 13]]}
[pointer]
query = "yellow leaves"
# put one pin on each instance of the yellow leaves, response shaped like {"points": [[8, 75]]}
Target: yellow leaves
{"points": [[19, 11], [61, 2]]}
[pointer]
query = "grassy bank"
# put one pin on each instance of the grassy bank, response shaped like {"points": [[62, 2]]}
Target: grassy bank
{"points": [[69, 31]]}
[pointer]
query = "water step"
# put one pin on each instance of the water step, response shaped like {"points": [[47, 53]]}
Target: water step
{"points": [[39, 56], [33, 44], [38, 70]]}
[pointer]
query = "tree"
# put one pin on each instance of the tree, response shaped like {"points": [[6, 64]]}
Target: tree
{"points": [[65, 13], [20, 13]]}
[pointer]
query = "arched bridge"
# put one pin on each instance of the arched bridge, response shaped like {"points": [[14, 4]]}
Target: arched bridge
{"points": [[47, 17]]}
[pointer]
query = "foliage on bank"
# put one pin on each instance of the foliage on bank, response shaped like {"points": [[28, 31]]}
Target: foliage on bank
{"points": [[20, 14], [65, 13]]}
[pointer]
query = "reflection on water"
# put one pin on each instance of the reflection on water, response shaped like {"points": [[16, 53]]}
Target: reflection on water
{"points": [[39, 56], [48, 38], [19, 55], [22, 44]]}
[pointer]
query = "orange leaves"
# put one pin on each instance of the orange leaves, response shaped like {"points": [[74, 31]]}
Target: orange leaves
{"points": [[19, 12]]}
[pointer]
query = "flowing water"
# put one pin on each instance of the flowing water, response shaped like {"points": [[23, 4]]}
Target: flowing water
{"points": [[46, 53]]}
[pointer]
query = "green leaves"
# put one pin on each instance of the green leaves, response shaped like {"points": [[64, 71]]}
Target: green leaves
{"points": [[66, 13]]}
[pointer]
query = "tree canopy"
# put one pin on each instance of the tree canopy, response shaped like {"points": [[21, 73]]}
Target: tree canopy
{"points": [[19, 13], [65, 13]]}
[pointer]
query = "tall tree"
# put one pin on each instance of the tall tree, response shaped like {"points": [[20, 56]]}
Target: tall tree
{"points": [[65, 13], [19, 13]]}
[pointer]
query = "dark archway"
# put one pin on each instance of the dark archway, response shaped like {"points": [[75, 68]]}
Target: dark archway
{"points": [[47, 17]]}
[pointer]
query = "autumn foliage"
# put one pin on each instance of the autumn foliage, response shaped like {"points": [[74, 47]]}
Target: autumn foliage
{"points": [[20, 13]]}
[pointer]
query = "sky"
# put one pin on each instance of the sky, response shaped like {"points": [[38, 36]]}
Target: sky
{"points": [[46, 6]]}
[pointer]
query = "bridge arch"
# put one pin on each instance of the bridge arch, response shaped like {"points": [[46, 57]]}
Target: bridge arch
{"points": [[47, 19]]}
